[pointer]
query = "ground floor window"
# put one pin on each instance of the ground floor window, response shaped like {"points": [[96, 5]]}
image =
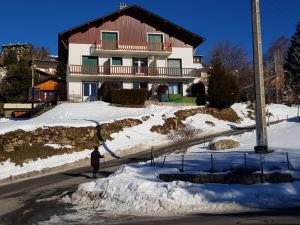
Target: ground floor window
{"points": [[175, 88], [90, 90], [137, 85], [116, 61], [119, 84]]}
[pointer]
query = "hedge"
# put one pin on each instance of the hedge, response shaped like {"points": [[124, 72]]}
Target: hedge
{"points": [[178, 98], [129, 96]]}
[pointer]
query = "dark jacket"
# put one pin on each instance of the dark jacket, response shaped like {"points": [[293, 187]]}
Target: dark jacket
{"points": [[95, 158]]}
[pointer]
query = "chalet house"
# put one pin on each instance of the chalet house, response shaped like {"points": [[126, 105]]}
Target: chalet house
{"points": [[133, 48]]}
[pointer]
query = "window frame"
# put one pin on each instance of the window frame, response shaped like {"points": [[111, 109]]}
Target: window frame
{"points": [[109, 31], [155, 33], [111, 61]]}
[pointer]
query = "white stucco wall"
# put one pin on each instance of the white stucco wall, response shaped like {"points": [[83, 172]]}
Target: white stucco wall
{"points": [[75, 88], [185, 54], [76, 51]]}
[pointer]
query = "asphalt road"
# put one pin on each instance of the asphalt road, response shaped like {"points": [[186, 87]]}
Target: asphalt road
{"points": [[37, 199]]}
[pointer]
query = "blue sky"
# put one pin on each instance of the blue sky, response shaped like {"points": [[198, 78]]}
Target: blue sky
{"points": [[39, 21]]}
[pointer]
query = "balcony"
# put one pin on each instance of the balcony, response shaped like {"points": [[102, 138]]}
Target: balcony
{"points": [[134, 71], [129, 47]]}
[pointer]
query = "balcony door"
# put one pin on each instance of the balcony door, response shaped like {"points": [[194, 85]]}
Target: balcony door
{"points": [[174, 67], [89, 64], [155, 42], [109, 40], [140, 65], [90, 90]]}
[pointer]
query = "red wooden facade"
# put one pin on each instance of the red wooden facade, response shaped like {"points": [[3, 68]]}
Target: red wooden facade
{"points": [[129, 30]]}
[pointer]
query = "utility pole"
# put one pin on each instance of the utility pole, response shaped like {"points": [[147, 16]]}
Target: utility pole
{"points": [[32, 87], [276, 74], [260, 106]]}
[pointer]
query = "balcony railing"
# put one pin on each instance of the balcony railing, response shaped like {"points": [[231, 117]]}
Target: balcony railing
{"points": [[131, 46], [134, 71]]}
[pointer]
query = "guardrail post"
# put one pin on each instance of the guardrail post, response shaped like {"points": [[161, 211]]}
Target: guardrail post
{"points": [[261, 169], [245, 161], [182, 162], [212, 163], [268, 115], [151, 156], [163, 164], [287, 160], [298, 111], [204, 141]]}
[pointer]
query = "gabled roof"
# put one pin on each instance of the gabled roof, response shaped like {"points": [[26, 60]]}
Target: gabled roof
{"points": [[143, 15]]}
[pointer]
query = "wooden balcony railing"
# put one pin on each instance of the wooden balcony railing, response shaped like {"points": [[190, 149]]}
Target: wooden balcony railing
{"points": [[131, 46], [134, 71]]}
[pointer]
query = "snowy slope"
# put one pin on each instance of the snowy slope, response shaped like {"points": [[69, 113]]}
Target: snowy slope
{"points": [[138, 137], [135, 189], [79, 115]]}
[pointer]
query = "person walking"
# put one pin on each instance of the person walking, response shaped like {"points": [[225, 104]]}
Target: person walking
{"points": [[95, 161]]}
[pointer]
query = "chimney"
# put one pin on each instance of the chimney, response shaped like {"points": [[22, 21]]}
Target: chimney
{"points": [[122, 5]]}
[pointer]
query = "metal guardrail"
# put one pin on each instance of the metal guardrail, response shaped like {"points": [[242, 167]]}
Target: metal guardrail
{"points": [[208, 161]]}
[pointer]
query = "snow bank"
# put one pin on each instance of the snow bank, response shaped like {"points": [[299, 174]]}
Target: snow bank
{"points": [[8, 168], [136, 189], [58, 146]]}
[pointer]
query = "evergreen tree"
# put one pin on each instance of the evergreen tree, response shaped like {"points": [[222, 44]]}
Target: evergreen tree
{"points": [[15, 85], [198, 90], [10, 59], [293, 58], [222, 87]]}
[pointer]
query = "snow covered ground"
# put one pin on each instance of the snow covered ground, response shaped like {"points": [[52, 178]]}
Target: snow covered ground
{"points": [[135, 189], [78, 115], [94, 113]]}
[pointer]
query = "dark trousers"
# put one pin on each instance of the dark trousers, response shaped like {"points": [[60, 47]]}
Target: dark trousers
{"points": [[95, 170]]}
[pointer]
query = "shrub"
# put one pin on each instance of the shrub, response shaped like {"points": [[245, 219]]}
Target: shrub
{"points": [[1, 109], [129, 96], [198, 91], [222, 88], [105, 91], [162, 89]]}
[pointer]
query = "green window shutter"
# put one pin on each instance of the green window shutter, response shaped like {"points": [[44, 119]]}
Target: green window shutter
{"points": [[155, 38], [109, 36], [117, 61], [89, 60]]}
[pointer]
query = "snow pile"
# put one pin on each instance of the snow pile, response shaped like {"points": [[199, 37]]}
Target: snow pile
{"points": [[58, 146], [137, 190], [8, 168]]}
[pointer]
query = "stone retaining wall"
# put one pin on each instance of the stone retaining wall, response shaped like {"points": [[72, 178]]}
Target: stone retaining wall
{"points": [[82, 137]]}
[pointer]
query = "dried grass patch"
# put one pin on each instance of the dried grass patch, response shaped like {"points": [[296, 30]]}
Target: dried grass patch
{"points": [[174, 123], [106, 129]]}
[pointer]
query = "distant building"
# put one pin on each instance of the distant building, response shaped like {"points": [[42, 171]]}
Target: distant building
{"points": [[46, 66], [19, 49]]}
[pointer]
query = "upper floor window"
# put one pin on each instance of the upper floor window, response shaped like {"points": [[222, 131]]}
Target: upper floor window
{"points": [[109, 40], [89, 64], [116, 61], [155, 38], [155, 42]]}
